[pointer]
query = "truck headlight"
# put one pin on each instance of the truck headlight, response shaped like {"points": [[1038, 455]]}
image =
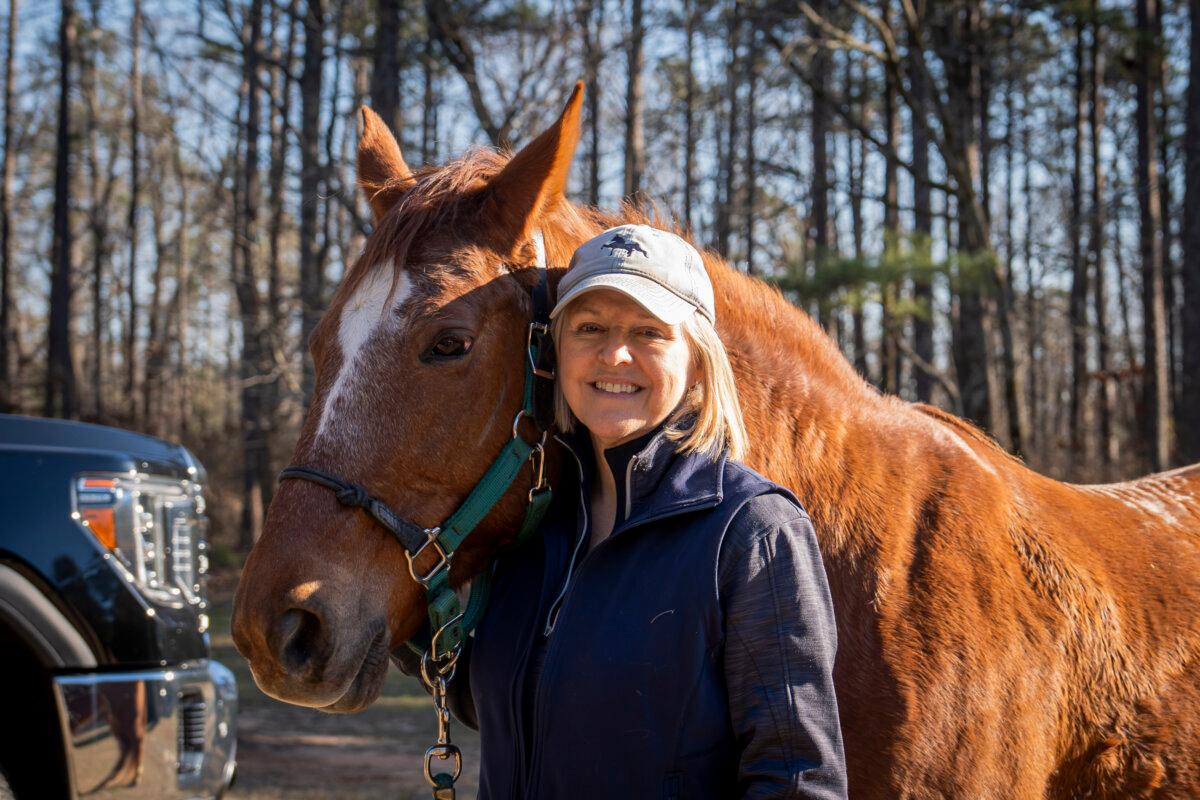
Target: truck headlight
{"points": [[154, 526]]}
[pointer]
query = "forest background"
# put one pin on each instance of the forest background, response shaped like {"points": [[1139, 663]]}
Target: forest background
{"points": [[990, 206]]}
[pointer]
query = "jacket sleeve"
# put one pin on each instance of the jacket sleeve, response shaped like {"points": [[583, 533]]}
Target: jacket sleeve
{"points": [[780, 642]]}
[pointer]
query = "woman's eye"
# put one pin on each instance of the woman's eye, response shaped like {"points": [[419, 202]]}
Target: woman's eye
{"points": [[451, 346], [587, 327]]}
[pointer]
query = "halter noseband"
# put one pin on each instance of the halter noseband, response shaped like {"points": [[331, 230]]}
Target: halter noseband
{"points": [[449, 624]]}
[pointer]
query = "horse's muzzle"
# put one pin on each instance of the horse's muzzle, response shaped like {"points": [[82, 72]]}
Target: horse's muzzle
{"points": [[299, 655]]}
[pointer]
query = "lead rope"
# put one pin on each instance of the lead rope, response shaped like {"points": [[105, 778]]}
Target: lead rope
{"points": [[437, 665]]}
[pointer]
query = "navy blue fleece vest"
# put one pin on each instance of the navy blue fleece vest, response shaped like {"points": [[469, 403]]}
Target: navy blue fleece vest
{"points": [[630, 700]]}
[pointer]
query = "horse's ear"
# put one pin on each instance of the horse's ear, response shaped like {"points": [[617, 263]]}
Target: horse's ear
{"points": [[382, 174], [536, 177]]}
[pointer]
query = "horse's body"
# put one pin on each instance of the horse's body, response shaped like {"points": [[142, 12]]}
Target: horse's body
{"points": [[1001, 634]]}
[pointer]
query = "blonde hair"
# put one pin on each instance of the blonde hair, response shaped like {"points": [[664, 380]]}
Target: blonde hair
{"points": [[709, 419]]}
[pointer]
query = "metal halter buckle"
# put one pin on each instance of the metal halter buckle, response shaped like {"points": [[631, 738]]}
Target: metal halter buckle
{"points": [[443, 562], [542, 329], [537, 462]]}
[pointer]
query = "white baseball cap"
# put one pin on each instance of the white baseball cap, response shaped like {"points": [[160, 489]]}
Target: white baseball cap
{"points": [[658, 269]]}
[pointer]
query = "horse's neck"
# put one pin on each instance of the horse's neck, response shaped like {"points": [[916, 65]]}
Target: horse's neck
{"points": [[815, 426]]}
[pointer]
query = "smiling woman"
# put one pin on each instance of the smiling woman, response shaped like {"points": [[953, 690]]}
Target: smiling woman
{"points": [[676, 616]]}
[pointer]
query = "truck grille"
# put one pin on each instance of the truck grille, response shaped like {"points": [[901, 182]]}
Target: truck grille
{"points": [[192, 717]]}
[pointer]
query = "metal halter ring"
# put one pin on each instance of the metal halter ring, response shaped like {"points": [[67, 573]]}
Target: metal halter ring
{"points": [[517, 422], [443, 562], [443, 752], [441, 672]]}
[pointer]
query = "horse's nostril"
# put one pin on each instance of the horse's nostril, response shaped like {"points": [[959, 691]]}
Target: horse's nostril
{"points": [[301, 643]]}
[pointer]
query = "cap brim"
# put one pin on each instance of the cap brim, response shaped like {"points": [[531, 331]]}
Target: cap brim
{"points": [[662, 303]]}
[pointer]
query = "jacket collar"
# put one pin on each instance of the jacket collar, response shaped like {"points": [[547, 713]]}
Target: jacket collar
{"points": [[653, 479]]}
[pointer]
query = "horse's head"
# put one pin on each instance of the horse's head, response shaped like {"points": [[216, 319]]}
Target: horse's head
{"points": [[419, 375]]}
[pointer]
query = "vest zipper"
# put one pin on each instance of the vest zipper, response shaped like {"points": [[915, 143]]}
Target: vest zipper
{"points": [[629, 486], [555, 607]]}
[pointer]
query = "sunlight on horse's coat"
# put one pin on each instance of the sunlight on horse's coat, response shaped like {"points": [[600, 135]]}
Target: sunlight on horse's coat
{"points": [[361, 315], [954, 439], [304, 591], [1154, 495]]}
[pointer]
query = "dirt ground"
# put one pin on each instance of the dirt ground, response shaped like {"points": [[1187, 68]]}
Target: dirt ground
{"points": [[290, 752]]}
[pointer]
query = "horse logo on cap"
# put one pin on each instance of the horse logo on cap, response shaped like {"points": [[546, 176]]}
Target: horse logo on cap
{"points": [[622, 242]]}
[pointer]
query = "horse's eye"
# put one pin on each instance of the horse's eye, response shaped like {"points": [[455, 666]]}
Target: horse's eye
{"points": [[450, 345]]}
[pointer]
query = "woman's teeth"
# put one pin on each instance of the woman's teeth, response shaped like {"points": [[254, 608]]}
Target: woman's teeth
{"points": [[616, 388]]}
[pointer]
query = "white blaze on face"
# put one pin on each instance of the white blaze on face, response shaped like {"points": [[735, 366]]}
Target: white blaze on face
{"points": [[362, 316]]}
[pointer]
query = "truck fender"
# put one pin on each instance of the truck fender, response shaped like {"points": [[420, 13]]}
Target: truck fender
{"points": [[49, 634]]}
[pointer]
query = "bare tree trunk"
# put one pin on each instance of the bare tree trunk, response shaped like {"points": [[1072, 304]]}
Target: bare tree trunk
{"points": [[182, 302], [889, 353], [751, 156], [155, 353], [385, 73], [135, 187], [1124, 277], [1033, 336], [101, 188], [61, 400], [1167, 214], [429, 106], [999, 279], [820, 154], [856, 157], [1109, 452], [312, 267], [8, 393], [1156, 395], [923, 222], [689, 113], [274, 340], [635, 143], [591, 18], [253, 366], [1078, 386], [1188, 414], [727, 174], [971, 357], [1019, 399]]}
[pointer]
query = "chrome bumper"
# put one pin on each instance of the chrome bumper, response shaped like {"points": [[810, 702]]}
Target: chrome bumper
{"points": [[165, 733]]}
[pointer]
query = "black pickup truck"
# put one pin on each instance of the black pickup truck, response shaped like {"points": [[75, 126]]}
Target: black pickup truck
{"points": [[108, 688]]}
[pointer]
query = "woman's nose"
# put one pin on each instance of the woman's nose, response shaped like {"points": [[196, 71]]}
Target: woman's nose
{"points": [[615, 352]]}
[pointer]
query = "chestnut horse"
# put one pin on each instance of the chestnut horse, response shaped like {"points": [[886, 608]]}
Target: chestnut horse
{"points": [[1001, 634]]}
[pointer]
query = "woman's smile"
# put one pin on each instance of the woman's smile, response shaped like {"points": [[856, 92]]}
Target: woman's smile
{"points": [[615, 388]]}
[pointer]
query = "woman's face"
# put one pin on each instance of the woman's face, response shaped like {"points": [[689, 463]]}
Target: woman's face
{"points": [[621, 369]]}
